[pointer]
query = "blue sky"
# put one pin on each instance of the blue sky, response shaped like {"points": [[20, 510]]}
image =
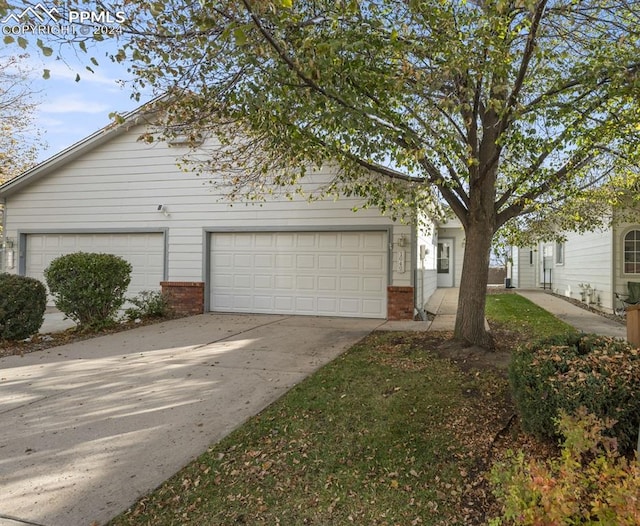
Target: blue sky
{"points": [[68, 111]]}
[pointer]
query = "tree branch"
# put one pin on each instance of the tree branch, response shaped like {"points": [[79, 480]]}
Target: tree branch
{"points": [[573, 165], [511, 190], [527, 55]]}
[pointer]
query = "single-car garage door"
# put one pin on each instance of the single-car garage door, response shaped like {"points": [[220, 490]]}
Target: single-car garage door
{"points": [[312, 273], [145, 252]]}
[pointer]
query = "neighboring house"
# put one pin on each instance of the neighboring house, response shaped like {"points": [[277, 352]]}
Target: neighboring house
{"points": [[591, 267], [113, 193]]}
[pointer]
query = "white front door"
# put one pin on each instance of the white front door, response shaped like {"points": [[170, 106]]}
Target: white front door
{"points": [[445, 262]]}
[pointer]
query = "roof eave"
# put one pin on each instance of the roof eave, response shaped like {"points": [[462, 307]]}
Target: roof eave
{"points": [[138, 116]]}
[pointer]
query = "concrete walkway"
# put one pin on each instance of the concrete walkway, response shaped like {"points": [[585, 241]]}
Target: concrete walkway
{"points": [[581, 319], [444, 302]]}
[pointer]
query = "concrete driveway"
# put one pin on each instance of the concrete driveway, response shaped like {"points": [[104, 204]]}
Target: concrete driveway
{"points": [[88, 428]]}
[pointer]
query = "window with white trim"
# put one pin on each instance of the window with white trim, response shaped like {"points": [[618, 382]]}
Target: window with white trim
{"points": [[559, 253], [632, 252]]}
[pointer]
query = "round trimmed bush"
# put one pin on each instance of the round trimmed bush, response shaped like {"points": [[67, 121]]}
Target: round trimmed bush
{"points": [[23, 301], [89, 288], [598, 373]]}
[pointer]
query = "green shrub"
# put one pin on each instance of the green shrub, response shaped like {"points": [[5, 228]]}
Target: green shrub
{"points": [[597, 372], [23, 301], [589, 484], [89, 288], [147, 304]]}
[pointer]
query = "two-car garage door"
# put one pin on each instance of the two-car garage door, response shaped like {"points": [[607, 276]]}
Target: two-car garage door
{"points": [[145, 252], [312, 273]]}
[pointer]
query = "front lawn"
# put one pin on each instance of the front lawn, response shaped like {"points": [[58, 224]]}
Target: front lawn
{"points": [[517, 314], [390, 433]]}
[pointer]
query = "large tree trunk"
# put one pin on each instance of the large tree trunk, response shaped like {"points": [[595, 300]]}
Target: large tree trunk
{"points": [[473, 285]]}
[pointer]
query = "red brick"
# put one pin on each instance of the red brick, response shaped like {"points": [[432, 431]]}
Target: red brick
{"points": [[185, 297], [399, 303]]}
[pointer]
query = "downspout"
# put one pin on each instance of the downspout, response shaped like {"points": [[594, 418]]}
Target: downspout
{"points": [[418, 310], [413, 267], [612, 274], [3, 230]]}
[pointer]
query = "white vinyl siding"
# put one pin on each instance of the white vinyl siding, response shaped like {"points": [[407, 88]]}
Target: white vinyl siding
{"points": [[587, 261], [311, 273]]}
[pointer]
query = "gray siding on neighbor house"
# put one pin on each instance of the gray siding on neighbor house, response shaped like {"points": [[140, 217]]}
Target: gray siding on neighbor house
{"points": [[119, 184]]}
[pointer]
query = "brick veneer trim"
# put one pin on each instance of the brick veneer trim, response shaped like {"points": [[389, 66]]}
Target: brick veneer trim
{"points": [[184, 297], [399, 303]]}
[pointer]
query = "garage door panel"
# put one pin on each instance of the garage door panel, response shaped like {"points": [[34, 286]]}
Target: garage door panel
{"points": [[327, 283], [305, 305], [145, 252], [263, 260], [222, 242], [306, 241], [350, 283], [242, 281], [264, 240], [243, 260], [284, 240], [372, 262], [350, 262], [350, 240], [305, 261], [284, 304], [225, 278], [349, 306], [225, 301], [264, 302], [317, 273], [284, 261], [284, 282], [305, 283], [263, 282], [373, 242], [373, 284], [327, 306], [328, 240], [242, 241], [370, 307], [222, 260], [328, 262]]}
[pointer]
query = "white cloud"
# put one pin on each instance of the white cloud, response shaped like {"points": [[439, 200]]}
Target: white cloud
{"points": [[61, 104], [49, 123]]}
